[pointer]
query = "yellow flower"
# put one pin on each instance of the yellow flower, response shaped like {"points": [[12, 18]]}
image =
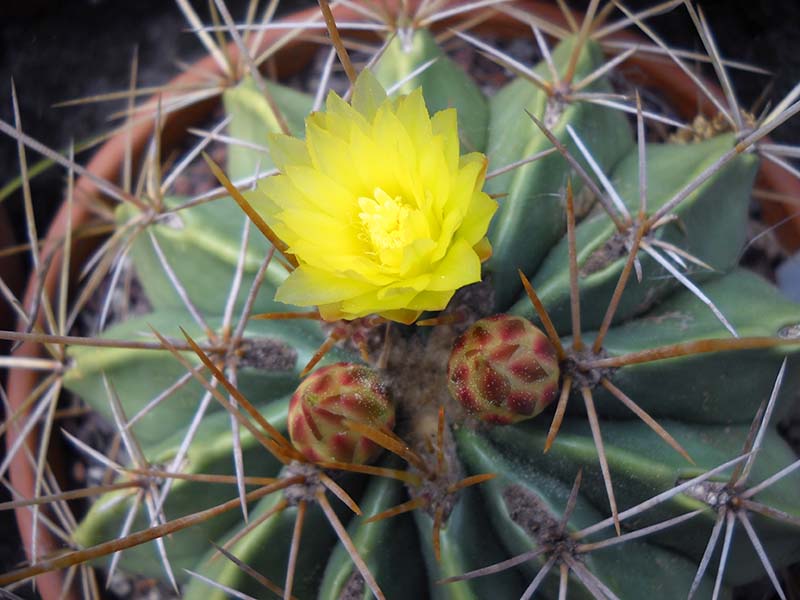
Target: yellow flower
{"points": [[382, 214]]}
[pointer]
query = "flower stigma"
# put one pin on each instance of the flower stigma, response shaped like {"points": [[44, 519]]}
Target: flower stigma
{"points": [[385, 220]]}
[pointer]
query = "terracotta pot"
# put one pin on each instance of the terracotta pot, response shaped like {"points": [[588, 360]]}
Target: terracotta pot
{"points": [[107, 161]]}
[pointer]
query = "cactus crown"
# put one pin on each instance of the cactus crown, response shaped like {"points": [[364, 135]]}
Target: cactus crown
{"points": [[429, 342]]}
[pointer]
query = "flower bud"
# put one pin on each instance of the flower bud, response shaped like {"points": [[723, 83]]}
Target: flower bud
{"points": [[503, 370], [325, 400]]}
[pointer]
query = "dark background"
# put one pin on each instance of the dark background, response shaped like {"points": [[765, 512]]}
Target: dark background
{"points": [[62, 49]]}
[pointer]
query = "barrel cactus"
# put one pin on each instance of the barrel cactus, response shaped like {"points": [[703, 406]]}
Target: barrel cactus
{"points": [[449, 345]]}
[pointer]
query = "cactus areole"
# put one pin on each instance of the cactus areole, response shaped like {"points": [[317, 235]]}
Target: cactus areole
{"points": [[503, 370]]}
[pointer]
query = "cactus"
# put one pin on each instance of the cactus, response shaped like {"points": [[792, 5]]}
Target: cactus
{"points": [[590, 413]]}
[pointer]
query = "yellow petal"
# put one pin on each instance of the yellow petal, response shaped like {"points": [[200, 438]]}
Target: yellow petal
{"points": [[304, 222], [306, 286], [333, 312], [428, 300], [411, 286], [404, 316], [370, 165], [393, 297], [396, 149], [476, 221], [478, 159], [413, 114], [452, 221], [331, 155], [460, 267], [368, 94], [416, 258], [341, 118], [320, 192], [445, 124], [483, 249], [273, 194], [435, 175], [464, 185], [285, 150], [262, 202]]}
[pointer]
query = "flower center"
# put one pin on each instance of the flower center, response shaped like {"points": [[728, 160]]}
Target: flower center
{"points": [[384, 220]]}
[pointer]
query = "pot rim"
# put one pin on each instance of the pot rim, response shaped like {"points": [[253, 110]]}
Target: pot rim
{"points": [[107, 160]]}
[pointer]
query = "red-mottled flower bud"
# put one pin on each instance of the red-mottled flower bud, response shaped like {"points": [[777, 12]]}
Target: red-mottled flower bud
{"points": [[503, 370], [328, 397]]}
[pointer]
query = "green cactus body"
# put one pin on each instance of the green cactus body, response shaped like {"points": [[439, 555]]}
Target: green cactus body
{"points": [[466, 544], [681, 318], [389, 547], [711, 234], [211, 455], [531, 490], [645, 468], [705, 400], [531, 218], [269, 545], [140, 377]]}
